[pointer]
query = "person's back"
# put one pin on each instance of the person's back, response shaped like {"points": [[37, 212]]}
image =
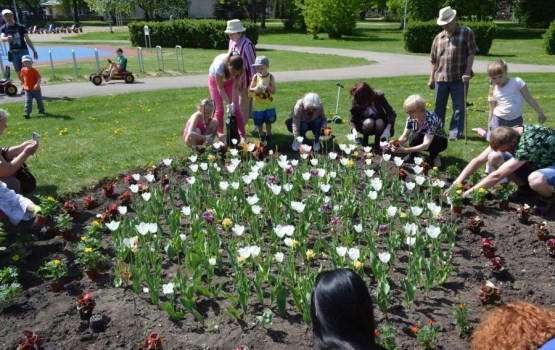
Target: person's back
{"points": [[122, 62]]}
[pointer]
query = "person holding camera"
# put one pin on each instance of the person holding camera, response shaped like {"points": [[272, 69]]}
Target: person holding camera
{"points": [[12, 158]]}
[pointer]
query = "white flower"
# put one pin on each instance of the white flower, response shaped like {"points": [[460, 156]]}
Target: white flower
{"points": [[234, 141], [252, 200], [398, 161], [358, 228], [238, 229], [368, 161], [256, 209], [417, 169], [306, 149], [314, 161], [142, 228], [246, 179], [182, 236], [146, 196], [384, 257], [255, 250], [344, 161], [193, 158], [333, 174], [386, 157], [391, 211], [433, 231], [167, 288], [439, 184], [191, 180], [300, 139], [153, 227], [278, 256], [325, 187], [351, 137], [167, 161], [276, 189], [410, 241], [297, 206], [122, 210], [245, 252], [235, 185], [306, 176], [113, 225], [373, 195], [332, 155], [410, 185], [410, 229], [136, 177], [368, 149], [290, 242], [294, 162], [376, 184], [129, 242], [231, 168], [234, 152], [217, 145], [145, 289], [193, 167], [321, 172], [212, 261], [186, 211], [287, 187], [341, 251], [419, 180], [416, 211], [418, 160], [369, 172], [224, 185], [490, 284], [434, 208], [354, 253], [134, 188], [283, 230]]}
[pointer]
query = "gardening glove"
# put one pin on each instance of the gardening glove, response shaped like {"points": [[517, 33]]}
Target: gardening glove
{"points": [[386, 134], [230, 109], [296, 145]]}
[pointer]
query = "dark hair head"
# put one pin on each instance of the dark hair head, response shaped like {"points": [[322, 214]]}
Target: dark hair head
{"points": [[119, 49], [362, 95], [341, 311], [234, 63]]}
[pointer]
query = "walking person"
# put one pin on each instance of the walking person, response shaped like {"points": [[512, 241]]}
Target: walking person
{"points": [[452, 56], [31, 85]]}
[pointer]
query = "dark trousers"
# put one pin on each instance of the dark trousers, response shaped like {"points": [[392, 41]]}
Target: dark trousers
{"points": [[439, 144], [315, 126]]}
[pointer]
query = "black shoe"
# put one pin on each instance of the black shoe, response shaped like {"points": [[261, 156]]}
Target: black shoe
{"points": [[26, 116], [268, 139], [262, 138], [42, 113], [544, 205], [522, 194]]}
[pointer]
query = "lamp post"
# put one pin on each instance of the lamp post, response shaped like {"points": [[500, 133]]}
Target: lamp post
{"points": [[405, 16]]}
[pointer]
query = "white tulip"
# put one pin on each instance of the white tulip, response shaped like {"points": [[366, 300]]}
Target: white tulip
{"points": [[384, 257], [416, 211], [433, 231], [113, 225], [341, 251], [354, 253], [278, 256], [238, 230], [134, 188], [386, 157], [167, 288], [252, 200], [256, 209], [391, 211], [146, 196]]}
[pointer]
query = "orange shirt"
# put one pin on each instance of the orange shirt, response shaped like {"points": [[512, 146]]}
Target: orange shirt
{"points": [[30, 77]]}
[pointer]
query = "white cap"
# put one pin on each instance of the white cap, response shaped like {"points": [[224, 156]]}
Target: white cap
{"points": [[6, 11]]}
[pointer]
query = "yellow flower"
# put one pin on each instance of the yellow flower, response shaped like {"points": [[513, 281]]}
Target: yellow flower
{"points": [[83, 238], [436, 168], [356, 154], [56, 262], [50, 199], [241, 260], [403, 215], [357, 264], [15, 257], [310, 254], [481, 190], [459, 185], [88, 250], [350, 163], [96, 223], [459, 192], [211, 157], [227, 223]]}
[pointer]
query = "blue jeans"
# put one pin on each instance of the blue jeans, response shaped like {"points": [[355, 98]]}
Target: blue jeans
{"points": [[16, 59], [315, 126], [456, 89], [29, 95]]}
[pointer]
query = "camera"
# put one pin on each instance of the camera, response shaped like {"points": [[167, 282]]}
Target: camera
{"points": [[35, 136]]}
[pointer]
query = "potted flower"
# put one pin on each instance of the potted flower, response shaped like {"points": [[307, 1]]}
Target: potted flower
{"points": [[550, 244], [487, 248], [55, 270], [523, 212], [64, 223], [489, 293], [542, 231], [456, 198], [70, 208], [30, 341], [49, 206], [497, 265], [92, 259], [85, 305], [478, 198], [475, 223], [125, 198], [108, 189], [89, 202], [501, 194], [452, 171], [153, 341]]}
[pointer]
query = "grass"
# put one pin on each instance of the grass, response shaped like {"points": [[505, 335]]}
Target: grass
{"points": [[89, 139], [102, 36]]}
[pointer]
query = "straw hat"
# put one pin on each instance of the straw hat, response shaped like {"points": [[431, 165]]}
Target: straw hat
{"points": [[234, 26], [446, 15]]}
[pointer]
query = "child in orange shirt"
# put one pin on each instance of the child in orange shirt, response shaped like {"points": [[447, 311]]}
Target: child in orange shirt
{"points": [[31, 84]]}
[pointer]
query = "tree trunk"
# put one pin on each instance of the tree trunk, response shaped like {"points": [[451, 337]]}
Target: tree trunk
{"points": [[263, 20], [75, 14]]}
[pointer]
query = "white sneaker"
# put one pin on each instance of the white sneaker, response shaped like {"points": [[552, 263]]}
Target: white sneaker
{"points": [[453, 135], [316, 146], [296, 145]]}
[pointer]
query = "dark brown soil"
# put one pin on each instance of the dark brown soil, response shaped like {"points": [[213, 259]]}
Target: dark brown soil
{"points": [[130, 317]]}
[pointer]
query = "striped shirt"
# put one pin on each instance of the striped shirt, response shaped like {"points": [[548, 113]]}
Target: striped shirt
{"points": [[450, 53], [246, 49]]}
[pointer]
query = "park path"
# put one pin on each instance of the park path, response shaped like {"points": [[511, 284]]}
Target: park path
{"points": [[383, 65]]}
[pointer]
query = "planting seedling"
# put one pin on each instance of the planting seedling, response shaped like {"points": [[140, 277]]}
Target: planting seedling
{"points": [[153, 341], [478, 198], [542, 231], [30, 341], [9, 286], [497, 264], [55, 270], [427, 335], [475, 223], [523, 212], [108, 189], [89, 203], [85, 305], [487, 248], [489, 293], [460, 313]]}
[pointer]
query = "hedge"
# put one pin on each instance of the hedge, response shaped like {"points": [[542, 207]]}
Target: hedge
{"points": [[191, 33], [549, 39], [420, 35]]}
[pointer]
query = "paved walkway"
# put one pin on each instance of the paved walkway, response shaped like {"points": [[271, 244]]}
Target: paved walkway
{"points": [[386, 65]]}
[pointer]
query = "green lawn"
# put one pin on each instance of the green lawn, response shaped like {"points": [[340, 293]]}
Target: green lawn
{"points": [[88, 139]]}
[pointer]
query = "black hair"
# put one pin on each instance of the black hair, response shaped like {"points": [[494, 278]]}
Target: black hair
{"points": [[234, 62], [119, 49], [341, 311]]}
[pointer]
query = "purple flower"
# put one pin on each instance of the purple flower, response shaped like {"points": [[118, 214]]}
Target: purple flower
{"points": [[271, 179], [161, 165], [289, 170], [326, 208], [208, 216], [441, 219], [335, 220], [362, 185], [382, 228], [167, 188], [314, 172]]}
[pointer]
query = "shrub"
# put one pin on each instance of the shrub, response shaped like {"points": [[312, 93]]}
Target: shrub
{"points": [[334, 17], [420, 35], [204, 34], [549, 39]]}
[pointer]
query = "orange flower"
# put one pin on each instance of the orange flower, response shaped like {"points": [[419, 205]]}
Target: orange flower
{"points": [[245, 147], [257, 144], [430, 322], [376, 333], [461, 306], [415, 329]]}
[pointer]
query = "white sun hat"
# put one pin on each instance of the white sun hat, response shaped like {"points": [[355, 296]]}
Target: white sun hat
{"points": [[234, 26], [446, 15]]}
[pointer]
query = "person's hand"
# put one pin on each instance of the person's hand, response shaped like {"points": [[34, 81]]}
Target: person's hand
{"points": [[466, 78], [10, 38], [431, 84], [541, 118], [230, 109], [399, 149], [386, 134], [296, 145], [35, 55], [31, 148]]}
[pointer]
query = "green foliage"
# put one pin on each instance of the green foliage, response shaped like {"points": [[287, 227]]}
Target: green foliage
{"points": [[205, 34], [536, 13], [549, 39], [423, 10], [9, 287], [420, 35], [54, 269], [290, 14], [336, 18], [473, 9]]}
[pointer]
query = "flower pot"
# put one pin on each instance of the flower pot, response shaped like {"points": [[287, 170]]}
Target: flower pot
{"points": [[109, 193], [542, 238], [550, 250], [504, 205], [456, 210], [93, 273], [479, 207], [56, 286], [490, 254], [96, 323], [40, 221], [85, 314], [67, 235]]}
